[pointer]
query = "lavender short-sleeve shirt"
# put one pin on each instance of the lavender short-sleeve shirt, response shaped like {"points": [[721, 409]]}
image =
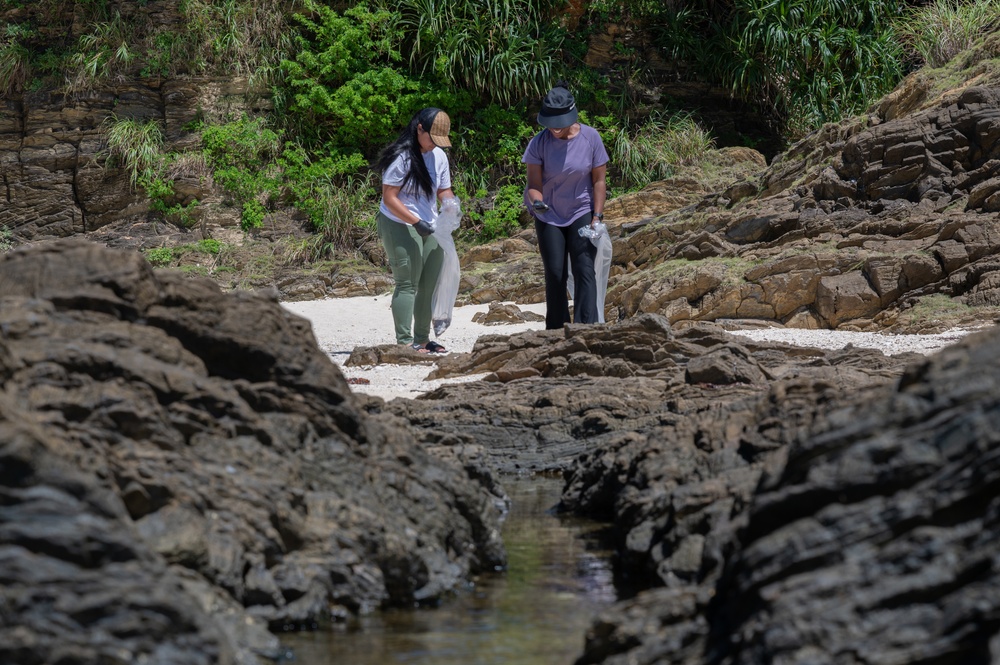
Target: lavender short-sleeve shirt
{"points": [[567, 185]]}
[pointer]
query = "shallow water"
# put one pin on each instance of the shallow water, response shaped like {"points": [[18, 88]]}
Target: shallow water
{"points": [[535, 613]]}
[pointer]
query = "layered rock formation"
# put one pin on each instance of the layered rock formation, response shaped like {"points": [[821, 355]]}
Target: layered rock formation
{"points": [[182, 468], [846, 229], [770, 504], [194, 458], [870, 538]]}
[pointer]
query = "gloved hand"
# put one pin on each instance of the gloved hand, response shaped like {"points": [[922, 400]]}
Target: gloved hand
{"points": [[540, 205], [424, 228]]}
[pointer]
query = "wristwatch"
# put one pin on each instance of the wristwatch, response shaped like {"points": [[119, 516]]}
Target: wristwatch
{"points": [[599, 216]]}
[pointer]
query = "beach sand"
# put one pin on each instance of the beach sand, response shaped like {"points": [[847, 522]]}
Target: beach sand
{"points": [[341, 324]]}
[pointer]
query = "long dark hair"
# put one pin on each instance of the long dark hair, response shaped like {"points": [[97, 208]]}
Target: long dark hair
{"points": [[417, 177]]}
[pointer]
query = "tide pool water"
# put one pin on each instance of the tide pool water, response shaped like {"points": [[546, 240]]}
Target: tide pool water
{"points": [[535, 613]]}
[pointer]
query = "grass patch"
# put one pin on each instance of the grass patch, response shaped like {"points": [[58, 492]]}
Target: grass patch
{"points": [[160, 257], [7, 241], [937, 306], [653, 149], [941, 30]]}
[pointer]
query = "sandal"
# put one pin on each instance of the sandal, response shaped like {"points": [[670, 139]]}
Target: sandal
{"points": [[434, 347], [419, 348]]}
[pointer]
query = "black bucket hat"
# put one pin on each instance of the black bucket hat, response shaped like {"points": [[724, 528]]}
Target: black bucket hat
{"points": [[558, 109]]}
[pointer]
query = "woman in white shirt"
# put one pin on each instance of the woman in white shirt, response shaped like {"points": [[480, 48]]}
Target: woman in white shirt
{"points": [[415, 177]]}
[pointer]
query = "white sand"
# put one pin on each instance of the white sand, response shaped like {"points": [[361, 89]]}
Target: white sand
{"points": [[340, 324]]}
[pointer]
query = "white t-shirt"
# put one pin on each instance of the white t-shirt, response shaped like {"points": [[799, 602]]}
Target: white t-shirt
{"points": [[424, 207]]}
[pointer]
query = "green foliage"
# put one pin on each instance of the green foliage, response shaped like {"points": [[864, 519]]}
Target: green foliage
{"points": [[813, 61], [134, 145], [243, 155], [160, 256], [15, 58], [944, 28], [7, 241], [805, 62], [245, 38], [252, 215], [209, 246], [502, 50], [330, 191], [106, 49], [342, 83], [504, 218], [652, 150], [242, 143], [163, 256], [82, 44], [495, 140]]}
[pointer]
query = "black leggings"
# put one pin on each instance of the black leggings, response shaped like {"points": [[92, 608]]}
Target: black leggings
{"points": [[554, 243]]}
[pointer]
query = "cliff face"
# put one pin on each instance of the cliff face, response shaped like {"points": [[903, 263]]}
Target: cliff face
{"points": [[55, 177], [54, 162]]}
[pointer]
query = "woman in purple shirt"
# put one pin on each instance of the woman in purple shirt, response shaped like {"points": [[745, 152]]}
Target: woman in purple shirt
{"points": [[567, 164]]}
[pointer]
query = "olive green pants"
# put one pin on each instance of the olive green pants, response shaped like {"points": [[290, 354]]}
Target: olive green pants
{"points": [[416, 266]]}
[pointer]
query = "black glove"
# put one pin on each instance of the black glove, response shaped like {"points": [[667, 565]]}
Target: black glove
{"points": [[424, 228], [540, 205]]}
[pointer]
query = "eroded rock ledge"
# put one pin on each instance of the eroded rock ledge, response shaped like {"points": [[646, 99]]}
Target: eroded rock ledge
{"points": [[182, 468], [871, 537]]}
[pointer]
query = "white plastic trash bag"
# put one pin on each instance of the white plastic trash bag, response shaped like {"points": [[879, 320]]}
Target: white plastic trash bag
{"points": [[443, 300], [598, 235]]}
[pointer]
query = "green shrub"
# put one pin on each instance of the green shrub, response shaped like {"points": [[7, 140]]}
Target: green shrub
{"points": [[502, 50], [245, 38], [495, 142], [334, 190], [107, 47], [343, 67], [804, 62], [160, 256], [164, 256], [504, 218], [243, 154], [7, 242], [813, 61], [15, 60], [252, 216], [209, 246], [134, 145]]}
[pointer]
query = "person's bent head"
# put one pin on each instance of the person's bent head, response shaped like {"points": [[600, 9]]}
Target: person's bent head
{"points": [[428, 128], [559, 112], [436, 125]]}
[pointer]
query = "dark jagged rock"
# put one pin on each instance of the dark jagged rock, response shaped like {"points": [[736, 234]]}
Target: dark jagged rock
{"points": [[871, 537], [222, 443], [745, 513], [79, 585]]}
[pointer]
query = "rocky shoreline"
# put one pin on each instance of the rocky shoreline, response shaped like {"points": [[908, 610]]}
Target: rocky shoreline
{"points": [[185, 471], [161, 434]]}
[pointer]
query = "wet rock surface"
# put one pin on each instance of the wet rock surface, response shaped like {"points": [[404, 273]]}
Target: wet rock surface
{"points": [[187, 453]]}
